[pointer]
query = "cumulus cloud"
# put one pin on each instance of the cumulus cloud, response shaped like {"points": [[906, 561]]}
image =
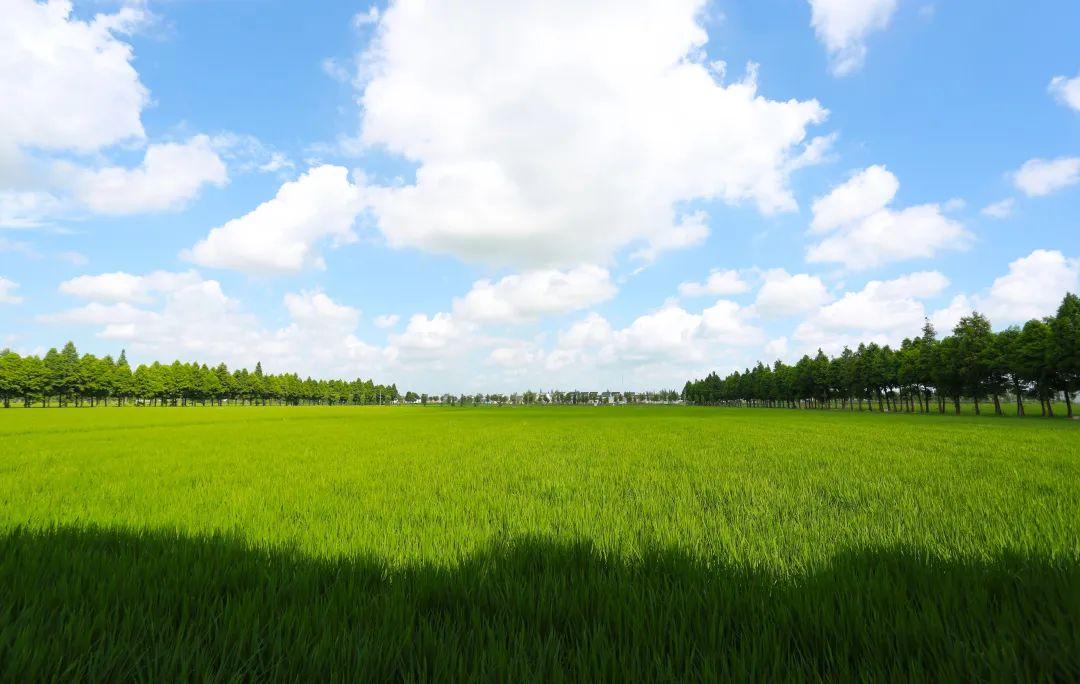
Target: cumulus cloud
{"points": [[1039, 177], [551, 152], [999, 210], [865, 193], [515, 357], [192, 318], [777, 348], [945, 319], [670, 337], [718, 284], [171, 175], [7, 291], [883, 312], [283, 234], [117, 315], [77, 92], [315, 307], [430, 339], [73, 80], [26, 208], [783, 294], [691, 230], [843, 26], [883, 305], [533, 294], [1066, 91], [126, 287], [1033, 287], [861, 231]]}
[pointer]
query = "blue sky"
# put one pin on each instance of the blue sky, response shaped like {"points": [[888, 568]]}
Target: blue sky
{"points": [[467, 195]]}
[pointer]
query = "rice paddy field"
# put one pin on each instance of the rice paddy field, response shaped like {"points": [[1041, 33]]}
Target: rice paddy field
{"points": [[551, 543]]}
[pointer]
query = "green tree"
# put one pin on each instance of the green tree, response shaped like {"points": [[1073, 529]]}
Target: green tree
{"points": [[1065, 328], [1033, 361], [122, 378], [973, 339], [10, 371]]}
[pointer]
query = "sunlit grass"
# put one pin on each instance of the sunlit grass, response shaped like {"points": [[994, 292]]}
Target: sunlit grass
{"points": [[517, 542]]}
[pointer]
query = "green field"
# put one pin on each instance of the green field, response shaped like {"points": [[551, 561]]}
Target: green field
{"points": [[505, 544]]}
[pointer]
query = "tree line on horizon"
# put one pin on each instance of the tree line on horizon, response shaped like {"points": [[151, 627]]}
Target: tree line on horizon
{"points": [[1040, 360], [72, 380]]}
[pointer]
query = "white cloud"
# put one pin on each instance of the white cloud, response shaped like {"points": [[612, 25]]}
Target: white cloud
{"points": [[690, 231], [533, 294], [73, 80], [725, 322], [282, 235], [843, 26], [316, 307], [115, 315], [1039, 177], [171, 175], [27, 208], [718, 284], [515, 357], [883, 306], [944, 320], [125, 287], [320, 339], [865, 193], [921, 285], [193, 319], [1066, 91], [591, 331], [883, 311], [999, 210], [7, 291], [667, 338], [386, 320], [566, 130], [667, 334], [430, 339], [862, 231], [777, 348], [783, 294], [1033, 287]]}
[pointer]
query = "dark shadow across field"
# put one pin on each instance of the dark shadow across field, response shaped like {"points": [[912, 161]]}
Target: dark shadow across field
{"points": [[96, 604]]}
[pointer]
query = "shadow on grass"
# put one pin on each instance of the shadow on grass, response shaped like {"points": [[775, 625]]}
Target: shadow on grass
{"points": [[95, 604]]}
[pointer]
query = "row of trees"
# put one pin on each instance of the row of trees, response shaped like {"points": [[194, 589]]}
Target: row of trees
{"points": [[66, 378], [530, 397], [1040, 361]]}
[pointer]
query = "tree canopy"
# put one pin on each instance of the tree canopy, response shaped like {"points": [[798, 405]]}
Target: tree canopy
{"points": [[1040, 360], [65, 378]]}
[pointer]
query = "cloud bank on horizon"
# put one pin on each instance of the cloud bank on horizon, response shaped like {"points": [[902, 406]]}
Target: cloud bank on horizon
{"points": [[465, 195]]}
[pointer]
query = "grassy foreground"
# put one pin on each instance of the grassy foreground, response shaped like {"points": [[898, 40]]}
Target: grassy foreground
{"points": [[537, 544]]}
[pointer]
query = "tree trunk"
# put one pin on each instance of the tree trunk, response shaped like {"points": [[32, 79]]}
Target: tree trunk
{"points": [[997, 405], [1068, 403], [977, 411], [956, 403]]}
